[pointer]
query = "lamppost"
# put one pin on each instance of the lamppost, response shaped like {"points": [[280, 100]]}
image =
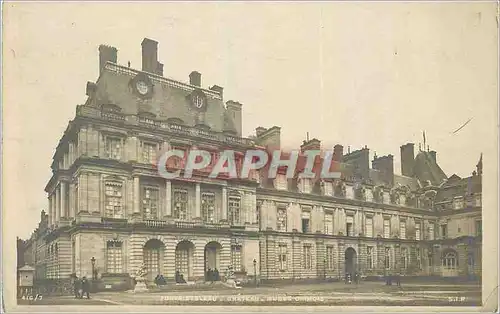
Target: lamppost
{"points": [[255, 271], [92, 260]]}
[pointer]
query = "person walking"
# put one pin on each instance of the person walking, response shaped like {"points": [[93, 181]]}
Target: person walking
{"points": [[77, 286], [85, 287]]}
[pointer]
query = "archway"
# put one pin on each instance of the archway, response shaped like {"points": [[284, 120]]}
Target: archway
{"points": [[184, 259], [449, 263], [153, 257], [212, 258], [350, 260]]}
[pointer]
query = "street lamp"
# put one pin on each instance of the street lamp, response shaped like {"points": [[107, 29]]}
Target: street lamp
{"points": [[255, 271], [92, 260]]}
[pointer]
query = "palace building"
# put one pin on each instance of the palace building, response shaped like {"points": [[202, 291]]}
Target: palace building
{"points": [[109, 210]]}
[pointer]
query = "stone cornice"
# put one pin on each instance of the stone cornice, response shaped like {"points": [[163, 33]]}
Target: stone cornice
{"points": [[339, 202]]}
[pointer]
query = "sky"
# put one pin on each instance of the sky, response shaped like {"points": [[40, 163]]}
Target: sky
{"points": [[355, 74]]}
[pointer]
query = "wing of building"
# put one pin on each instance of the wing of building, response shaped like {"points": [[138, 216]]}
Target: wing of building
{"points": [[110, 211]]}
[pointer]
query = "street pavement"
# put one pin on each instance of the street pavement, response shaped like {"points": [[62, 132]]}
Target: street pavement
{"points": [[364, 294]]}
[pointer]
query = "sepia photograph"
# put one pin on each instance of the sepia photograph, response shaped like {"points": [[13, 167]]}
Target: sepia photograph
{"points": [[250, 156]]}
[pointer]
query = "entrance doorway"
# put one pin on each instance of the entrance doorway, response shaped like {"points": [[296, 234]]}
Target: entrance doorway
{"points": [[350, 261], [212, 259]]}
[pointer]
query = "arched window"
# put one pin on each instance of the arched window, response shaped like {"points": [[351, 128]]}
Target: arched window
{"points": [[450, 260]]}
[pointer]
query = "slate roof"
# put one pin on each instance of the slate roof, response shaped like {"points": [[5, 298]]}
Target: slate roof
{"points": [[170, 98], [426, 169]]}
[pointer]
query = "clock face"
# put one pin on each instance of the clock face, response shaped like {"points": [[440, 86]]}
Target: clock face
{"points": [[198, 101], [142, 87]]}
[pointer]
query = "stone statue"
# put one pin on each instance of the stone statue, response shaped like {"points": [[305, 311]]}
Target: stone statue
{"points": [[340, 189], [394, 194], [140, 278], [141, 272]]}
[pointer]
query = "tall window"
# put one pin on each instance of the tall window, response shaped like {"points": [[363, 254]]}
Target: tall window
{"points": [[306, 221], [431, 231], [402, 230], [404, 257], [281, 219], [329, 224], [330, 258], [369, 257], [369, 227], [444, 231], [307, 257], [450, 261], [150, 202], [281, 182], [387, 228], [234, 210], [417, 231], [479, 228], [350, 226], [114, 257], [387, 257], [180, 204], [208, 207], [305, 185], [113, 199], [236, 257], [149, 152], [114, 147], [282, 256]]}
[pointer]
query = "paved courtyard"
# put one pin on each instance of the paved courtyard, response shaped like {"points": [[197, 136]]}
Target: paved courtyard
{"points": [[365, 294]]}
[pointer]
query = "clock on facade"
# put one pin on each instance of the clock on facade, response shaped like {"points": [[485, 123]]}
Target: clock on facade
{"points": [[142, 87]]}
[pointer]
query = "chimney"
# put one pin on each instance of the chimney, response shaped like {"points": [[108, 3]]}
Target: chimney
{"points": [[234, 110], [270, 138], [195, 78], [150, 56], [159, 69], [218, 90], [313, 144], [433, 155], [107, 53], [385, 165], [338, 152], [407, 159]]}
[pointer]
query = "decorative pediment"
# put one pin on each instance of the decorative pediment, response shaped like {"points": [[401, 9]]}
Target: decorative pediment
{"points": [[378, 193]]}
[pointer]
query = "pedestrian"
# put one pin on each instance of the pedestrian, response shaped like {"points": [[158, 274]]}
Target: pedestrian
{"points": [[77, 285], [85, 287]]}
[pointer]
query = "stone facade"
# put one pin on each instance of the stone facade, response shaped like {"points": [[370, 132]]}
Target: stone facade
{"points": [[107, 202]]}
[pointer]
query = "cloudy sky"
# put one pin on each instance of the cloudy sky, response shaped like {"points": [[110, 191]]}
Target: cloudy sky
{"points": [[374, 74]]}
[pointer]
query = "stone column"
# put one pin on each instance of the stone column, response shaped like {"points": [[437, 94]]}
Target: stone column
{"points": [[168, 198], [224, 204], [136, 196], [63, 200], [51, 213], [58, 203], [197, 207]]}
